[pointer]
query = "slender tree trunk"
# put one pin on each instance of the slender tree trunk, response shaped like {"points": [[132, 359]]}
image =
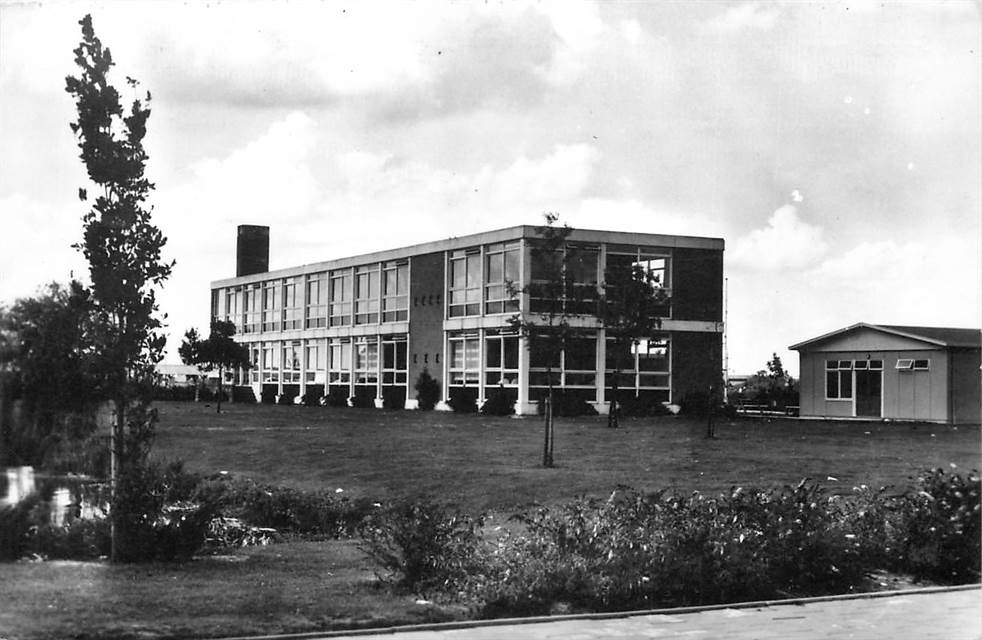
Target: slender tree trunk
{"points": [[545, 429], [612, 419], [115, 446], [221, 375], [710, 427]]}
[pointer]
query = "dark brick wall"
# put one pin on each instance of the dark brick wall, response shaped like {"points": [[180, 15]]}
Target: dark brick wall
{"points": [[426, 313], [697, 285], [697, 361]]}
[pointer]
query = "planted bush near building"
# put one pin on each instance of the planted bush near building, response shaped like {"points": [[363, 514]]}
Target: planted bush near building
{"points": [[639, 550]]}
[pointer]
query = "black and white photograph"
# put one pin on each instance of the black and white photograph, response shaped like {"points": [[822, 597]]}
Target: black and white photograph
{"points": [[475, 319]]}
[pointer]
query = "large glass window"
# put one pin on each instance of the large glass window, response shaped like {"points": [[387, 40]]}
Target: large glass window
{"points": [[271, 362], [465, 359], [316, 300], [395, 291], [501, 359], [572, 367], [342, 294], [291, 361], [314, 361], [366, 294], [253, 309], [271, 306], [234, 307], [565, 280], [254, 354], [292, 311], [838, 379], [582, 264], [639, 365], [339, 366], [502, 264], [465, 283], [623, 260], [394, 365], [366, 361]]}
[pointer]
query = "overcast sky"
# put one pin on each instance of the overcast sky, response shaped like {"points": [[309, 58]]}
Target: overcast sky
{"points": [[836, 147]]}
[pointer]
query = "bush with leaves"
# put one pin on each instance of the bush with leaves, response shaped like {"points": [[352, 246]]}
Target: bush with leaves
{"points": [[286, 509], [500, 402], [336, 397], [427, 391], [423, 547], [463, 399], [938, 527]]}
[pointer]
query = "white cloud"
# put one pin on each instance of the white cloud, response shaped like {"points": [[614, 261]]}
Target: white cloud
{"points": [[748, 15], [35, 246], [787, 242]]}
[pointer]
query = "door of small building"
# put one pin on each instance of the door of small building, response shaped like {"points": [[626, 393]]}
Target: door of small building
{"points": [[869, 389]]}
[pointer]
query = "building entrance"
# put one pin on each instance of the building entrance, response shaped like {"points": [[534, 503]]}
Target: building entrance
{"points": [[869, 393]]}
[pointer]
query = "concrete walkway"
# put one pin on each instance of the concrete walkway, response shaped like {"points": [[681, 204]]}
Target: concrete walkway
{"points": [[925, 614]]}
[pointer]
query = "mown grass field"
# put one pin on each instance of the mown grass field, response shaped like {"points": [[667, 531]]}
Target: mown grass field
{"points": [[475, 462], [479, 462]]}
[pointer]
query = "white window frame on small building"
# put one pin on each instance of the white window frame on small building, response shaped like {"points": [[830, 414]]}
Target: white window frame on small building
{"points": [[841, 371]]}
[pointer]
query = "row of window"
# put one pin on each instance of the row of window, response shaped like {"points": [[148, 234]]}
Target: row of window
{"points": [[362, 295], [644, 364], [839, 376], [481, 280], [363, 360]]}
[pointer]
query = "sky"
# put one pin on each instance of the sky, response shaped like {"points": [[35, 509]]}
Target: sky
{"points": [[835, 146]]}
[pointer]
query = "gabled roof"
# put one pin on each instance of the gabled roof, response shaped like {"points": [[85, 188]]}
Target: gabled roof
{"points": [[940, 336]]}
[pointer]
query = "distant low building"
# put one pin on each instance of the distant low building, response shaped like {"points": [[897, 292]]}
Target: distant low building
{"points": [[873, 371], [178, 375]]}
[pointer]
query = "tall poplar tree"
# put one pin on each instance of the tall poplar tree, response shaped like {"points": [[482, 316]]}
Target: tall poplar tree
{"points": [[123, 249]]}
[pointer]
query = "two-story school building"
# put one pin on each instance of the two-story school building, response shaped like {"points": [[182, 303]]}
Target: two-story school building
{"points": [[367, 326]]}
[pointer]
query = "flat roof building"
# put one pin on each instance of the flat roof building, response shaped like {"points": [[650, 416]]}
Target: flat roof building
{"points": [[365, 327]]}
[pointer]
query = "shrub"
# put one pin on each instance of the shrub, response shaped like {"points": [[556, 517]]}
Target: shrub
{"points": [[337, 397], [422, 546], [427, 391], [642, 407], [156, 523], [80, 539], [363, 398], [312, 398], [463, 399], [938, 528], [15, 528], [286, 509], [568, 404], [393, 397], [500, 402]]}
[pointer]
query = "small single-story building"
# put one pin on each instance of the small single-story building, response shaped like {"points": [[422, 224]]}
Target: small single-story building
{"points": [[893, 372]]}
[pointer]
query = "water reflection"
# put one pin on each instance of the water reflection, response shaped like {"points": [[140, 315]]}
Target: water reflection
{"points": [[67, 497]]}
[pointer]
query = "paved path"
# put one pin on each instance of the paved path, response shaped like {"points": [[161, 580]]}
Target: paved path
{"points": [[915, 615]]}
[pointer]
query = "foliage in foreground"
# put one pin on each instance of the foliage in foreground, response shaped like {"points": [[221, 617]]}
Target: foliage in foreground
{"points": [[639, 550]]}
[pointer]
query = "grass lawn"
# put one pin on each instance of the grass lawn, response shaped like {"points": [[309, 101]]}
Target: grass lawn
{"points": [[473, 461], [480, 462]]}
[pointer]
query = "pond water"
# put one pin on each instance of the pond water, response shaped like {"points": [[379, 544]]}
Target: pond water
{"points": [[67, 497]]}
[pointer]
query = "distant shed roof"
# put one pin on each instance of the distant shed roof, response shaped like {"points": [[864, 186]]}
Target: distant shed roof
{"points": [[941, 336]]}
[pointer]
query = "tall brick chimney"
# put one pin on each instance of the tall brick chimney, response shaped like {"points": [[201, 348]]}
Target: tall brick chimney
{"points": [[251, 250]]}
